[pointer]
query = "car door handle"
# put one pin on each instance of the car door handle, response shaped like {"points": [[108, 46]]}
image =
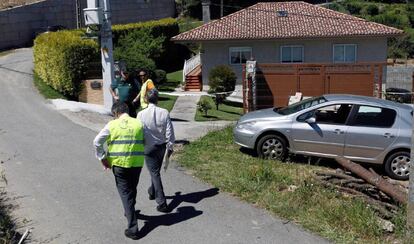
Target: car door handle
{"points": [[388, 135], [338, 131]]}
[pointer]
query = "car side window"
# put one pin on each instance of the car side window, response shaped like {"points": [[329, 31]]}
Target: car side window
{"points": [[332, 114], [374, 117]]}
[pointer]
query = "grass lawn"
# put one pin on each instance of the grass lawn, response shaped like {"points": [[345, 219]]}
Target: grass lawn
{"points": [[8, 232], [269, 185], [173, 80], [167, 101], [4, 53], [45, 90], [227, 111]]}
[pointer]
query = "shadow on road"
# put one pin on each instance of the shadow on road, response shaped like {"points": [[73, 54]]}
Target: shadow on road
{"points": [[152, 222], [193, 197], [179, 120]]}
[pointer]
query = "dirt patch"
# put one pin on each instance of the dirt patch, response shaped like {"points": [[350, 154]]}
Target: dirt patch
{"points": [[13, 3]]}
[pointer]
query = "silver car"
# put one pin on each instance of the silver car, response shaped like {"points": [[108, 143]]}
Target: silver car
{"points": [[362, 129]]}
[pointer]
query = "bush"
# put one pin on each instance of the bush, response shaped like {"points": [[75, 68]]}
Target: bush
{"points": [[204, 105], [170, 57], [371, 10], [160, 76], [222, 80], [354, 8], [139, 49], [61, 60]]}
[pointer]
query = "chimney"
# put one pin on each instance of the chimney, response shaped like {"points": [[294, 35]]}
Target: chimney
{"points": [[206, 10]]}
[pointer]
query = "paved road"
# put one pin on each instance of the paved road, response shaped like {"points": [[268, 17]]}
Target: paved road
{"points": [[67, 198]]}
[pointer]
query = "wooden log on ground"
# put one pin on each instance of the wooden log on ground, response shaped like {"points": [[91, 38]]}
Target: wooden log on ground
{"points": [[374, 179], [385, 209]]}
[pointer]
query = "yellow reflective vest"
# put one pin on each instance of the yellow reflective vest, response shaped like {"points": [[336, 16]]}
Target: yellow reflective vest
{"points": [[143, 92], [126, 143]]}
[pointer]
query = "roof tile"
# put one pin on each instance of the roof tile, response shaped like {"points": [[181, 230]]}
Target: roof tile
{"points": [[303, 20]]}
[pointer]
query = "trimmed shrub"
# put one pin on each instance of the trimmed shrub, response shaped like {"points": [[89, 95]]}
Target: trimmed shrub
{"points": [[222, 80], [160, 76], [204, 105], [61, 60]]}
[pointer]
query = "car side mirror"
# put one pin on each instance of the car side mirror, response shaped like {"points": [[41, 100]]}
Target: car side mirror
{"points": [[311, 120]]}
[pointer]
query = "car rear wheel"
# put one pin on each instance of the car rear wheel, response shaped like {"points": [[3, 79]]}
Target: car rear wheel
{"points": [[397, 165], [272, 147]]}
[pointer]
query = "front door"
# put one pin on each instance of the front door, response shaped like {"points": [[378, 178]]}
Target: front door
{"points": [[325, 137]]}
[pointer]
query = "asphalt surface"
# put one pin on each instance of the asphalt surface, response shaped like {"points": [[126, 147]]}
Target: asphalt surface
{"points": [[63, 194]]}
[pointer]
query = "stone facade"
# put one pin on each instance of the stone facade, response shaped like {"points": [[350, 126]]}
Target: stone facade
{"points": [[92, 92], [19, 25]]}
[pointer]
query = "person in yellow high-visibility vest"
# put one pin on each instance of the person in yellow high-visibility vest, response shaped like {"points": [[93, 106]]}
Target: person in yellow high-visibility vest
{"points": [[147, 85], [125, 156]]}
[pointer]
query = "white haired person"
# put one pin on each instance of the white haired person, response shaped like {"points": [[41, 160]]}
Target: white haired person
{"points": [[159, 139]]}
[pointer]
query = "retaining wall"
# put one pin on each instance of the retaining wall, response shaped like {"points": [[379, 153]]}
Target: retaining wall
{"points": [[19, 25]]}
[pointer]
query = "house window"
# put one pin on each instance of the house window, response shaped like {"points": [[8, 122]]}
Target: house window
{"points": [[239, 55], [291, 54], [344, 53]]}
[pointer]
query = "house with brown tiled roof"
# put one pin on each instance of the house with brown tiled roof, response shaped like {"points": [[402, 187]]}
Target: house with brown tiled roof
{"points": [[288, 33]]}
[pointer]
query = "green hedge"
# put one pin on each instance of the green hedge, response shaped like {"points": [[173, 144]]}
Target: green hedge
{"points": [[61, 59]]}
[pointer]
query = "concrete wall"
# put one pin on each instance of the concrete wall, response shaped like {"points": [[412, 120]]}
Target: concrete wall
{"points": [[400, 77], [315, 51], [18, 26]]}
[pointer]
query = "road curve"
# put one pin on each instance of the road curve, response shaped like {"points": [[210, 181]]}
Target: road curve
{"points": [[63, 194]]}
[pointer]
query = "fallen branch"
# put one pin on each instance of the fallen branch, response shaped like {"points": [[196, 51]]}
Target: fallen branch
{"points": [[374, 179], [384, 209]]}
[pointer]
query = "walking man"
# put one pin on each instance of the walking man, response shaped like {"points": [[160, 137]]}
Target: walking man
{"points": [[126, 89], [124, 137], [147, 85], [159, 139]]}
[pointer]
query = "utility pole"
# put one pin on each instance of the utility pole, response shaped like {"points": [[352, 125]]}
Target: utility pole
{"points": [[107, 53], [78, 14], [98, 19], [221, 8]]}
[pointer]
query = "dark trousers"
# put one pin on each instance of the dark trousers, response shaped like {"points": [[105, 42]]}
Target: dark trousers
{"points": [[153, 160], [126, 180]]}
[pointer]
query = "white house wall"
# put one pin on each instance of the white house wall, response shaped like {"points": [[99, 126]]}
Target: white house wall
{"points": [[315, 51]]}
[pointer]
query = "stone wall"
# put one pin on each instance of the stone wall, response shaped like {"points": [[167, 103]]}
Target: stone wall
{"points": [[19, 25], [92, 92]]}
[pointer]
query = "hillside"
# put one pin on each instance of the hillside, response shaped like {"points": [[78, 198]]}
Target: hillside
{"points": [[391, 13], [13, 3]]}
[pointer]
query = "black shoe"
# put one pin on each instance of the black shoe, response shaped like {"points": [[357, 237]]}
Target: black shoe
{"points": [[133, 236], [151, 197], [163, 208]]}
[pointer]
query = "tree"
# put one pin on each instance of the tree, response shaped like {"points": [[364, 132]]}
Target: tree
{"points": [[222, 81], [204, 105], [139, 49]]}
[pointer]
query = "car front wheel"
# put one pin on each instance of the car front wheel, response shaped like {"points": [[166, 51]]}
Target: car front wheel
{"points": [[272, 147], [397, 165]]}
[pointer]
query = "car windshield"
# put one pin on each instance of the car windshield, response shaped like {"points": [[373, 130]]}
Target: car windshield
{"points": [[296, 107]]}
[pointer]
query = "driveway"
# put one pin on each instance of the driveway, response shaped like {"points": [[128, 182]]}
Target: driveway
{"points": [[63, 194]]}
